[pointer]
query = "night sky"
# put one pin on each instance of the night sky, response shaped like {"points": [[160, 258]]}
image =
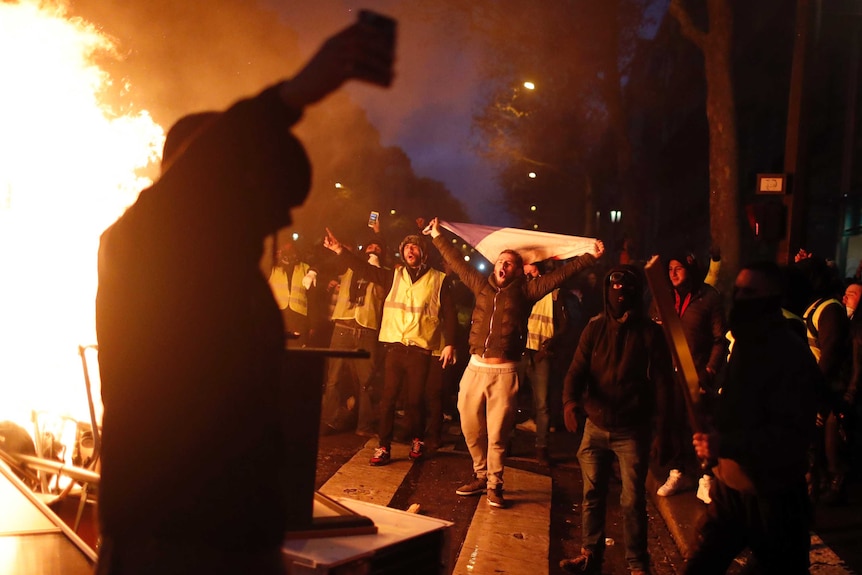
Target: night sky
{"points": [[428, 111]]}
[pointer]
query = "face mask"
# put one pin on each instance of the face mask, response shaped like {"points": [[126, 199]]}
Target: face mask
{"points": [[620, 300], [374, 260], [850, 311]]}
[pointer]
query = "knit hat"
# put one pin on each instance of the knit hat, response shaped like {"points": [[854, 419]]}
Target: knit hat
{"points": [[415, 240]]}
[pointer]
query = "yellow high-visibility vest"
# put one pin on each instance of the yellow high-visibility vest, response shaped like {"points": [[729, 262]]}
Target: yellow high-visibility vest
{"points": [[540, 325], [411, 311], [291, 294], [811, 317], [367, 314]]}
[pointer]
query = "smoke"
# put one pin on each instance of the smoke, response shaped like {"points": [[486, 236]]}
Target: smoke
{"points": [[187, 57]]}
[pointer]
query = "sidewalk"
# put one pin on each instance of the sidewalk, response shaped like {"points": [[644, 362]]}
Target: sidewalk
{"points": [[681, 513]]}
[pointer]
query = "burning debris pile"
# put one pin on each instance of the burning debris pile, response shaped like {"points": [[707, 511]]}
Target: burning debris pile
{"points": [[74, 153]]}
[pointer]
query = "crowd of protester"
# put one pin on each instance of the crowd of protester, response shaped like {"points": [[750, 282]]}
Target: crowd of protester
{"points": [[777, 374], [555, 378]]}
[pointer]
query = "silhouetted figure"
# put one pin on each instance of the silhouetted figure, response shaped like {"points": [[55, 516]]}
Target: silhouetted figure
{"points": [[764, 421], [190, 347]]}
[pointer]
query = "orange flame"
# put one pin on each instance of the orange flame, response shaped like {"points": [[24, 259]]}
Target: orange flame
{"points": [[69, 165]]}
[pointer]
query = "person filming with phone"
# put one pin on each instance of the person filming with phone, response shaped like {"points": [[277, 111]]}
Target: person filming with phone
{"points": [[194, 455]]}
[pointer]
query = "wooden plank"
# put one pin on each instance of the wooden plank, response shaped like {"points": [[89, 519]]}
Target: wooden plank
{"points": [[662, 290]]}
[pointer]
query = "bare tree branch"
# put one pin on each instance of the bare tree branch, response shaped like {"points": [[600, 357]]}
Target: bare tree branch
{"points": [[689, 30]]}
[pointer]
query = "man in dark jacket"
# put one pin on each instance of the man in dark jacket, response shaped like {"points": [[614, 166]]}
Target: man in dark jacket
{"points": [[764, 421], [621, 375], [194, 450], [498, 336]]}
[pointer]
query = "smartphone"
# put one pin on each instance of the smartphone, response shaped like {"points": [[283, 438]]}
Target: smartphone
{"points": [[384, 24], [385, 27], [372, 219]]}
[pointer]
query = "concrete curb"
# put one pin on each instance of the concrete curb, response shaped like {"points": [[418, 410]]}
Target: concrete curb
{"points": [[681, 513]]}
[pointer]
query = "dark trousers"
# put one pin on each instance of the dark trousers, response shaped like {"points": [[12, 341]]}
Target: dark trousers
{"points": [[405, 366], [774, 526], [432, 414], [362, 373]]}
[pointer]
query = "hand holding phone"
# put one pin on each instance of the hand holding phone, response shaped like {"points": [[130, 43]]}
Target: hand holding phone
{"points": [[364, 51], [372, 219], [383, 29]]}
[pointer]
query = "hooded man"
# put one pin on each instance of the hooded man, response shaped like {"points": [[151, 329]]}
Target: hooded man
{"points": [[764, 421], [621, 376], [701, 313], [498, 334], [419, 318]]}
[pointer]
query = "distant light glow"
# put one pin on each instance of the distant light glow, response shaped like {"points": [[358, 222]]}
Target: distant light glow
{"points": [[533, 208], [466, 258], [392, 212], [535, 226], [529, 85], [481, 266], [295, 236], [532, 175], [338, 185]]}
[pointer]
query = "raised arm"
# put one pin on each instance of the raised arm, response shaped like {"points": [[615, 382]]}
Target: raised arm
{"points": [[471, 277], [374, 274], [357, 52], [545, 284]]}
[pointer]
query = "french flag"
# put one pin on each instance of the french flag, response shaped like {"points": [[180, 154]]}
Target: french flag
{"points": [[532, 245]]}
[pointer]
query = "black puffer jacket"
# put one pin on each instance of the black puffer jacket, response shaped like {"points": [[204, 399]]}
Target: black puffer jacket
{"points": [[705, 328], [621, 372], [499, 324]]}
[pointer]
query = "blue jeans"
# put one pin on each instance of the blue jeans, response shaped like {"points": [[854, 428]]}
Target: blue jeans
{"points": [[361, 371], [596, 456]]}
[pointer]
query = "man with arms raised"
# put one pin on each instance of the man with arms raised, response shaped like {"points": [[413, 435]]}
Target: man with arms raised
{"points": [[498, 335]]}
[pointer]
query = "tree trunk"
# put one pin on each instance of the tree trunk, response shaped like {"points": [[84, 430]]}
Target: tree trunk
{"points": [[716, 46], [723, 150]]}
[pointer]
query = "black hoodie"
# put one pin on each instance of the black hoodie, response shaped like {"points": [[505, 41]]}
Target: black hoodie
{"points": [[621, 371]]}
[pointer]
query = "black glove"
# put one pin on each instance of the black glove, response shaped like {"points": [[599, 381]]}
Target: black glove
{"points": [[715, 253]]}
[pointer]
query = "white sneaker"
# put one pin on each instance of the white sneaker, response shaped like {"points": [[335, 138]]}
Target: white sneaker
{"points": [[704, 485], [674, 484]]}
